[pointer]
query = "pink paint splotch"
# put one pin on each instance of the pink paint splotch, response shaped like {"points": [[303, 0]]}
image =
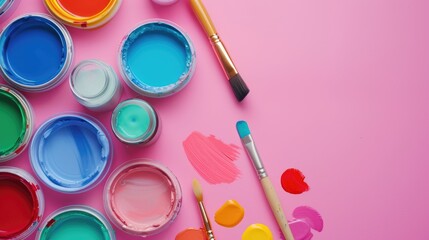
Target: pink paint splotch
{"points": [[212, 158]]}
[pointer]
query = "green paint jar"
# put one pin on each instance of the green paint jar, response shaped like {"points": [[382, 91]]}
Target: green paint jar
{"points": [[16, 123], [76, 222], [135, 121]]}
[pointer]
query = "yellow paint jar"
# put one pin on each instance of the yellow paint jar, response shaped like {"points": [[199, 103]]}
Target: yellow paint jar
{"points": [[83, 13]]}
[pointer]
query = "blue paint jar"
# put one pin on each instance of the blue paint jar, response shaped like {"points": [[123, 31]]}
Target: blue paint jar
{"points": [[71, 153], [36, 53], [157, 59]]}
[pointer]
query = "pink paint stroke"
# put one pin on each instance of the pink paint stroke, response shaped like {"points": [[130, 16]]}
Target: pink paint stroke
{"points": [[306, 218], [212, 158]]}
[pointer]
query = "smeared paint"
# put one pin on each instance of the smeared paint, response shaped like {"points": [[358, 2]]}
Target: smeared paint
{"points": [[211, 158], [292, 181], [306, 218], [230, 214], [257, 232], [192, 234]]}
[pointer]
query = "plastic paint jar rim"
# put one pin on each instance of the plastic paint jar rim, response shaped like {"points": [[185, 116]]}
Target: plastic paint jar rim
{"points": [[153, 129], [74, 20], [83, 211], [107, 96], [138, 85], [27, 121], [164, 2], [58, 182], [141, 165], [33, 188], [66, 44], [7, 6]]}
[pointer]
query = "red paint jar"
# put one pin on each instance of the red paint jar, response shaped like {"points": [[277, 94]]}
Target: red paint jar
{"points": [[21, 203]]}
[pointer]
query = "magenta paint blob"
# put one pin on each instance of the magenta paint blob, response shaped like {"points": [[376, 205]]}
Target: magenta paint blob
{"points": [[212, 158], [142, 197], [305, 219]]}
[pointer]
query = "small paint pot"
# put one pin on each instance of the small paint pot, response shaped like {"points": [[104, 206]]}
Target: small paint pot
{"points": [[76, 222], [36, 53], [7, 7], [71, 153], [83, 13], [16, 123], [164, 2], [95, 85], [157, 59], [135, 121], [22, 203], [142, 197]]}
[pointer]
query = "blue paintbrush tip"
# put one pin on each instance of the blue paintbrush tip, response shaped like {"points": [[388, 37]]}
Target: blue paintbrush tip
{"points": [[242, 129]]}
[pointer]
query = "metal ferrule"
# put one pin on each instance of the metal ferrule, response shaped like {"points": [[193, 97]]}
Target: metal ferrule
{"points": [[223, 56], [206, 222], [251, 150]]}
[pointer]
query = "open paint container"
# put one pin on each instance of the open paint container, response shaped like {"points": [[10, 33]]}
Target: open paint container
{"points": [[83, 13], [16, 123], [36, 53], [21, 204], [135, 121], [95, 85], [7, 7], [157, 59], [142, 197], [71, 153], [76, 222]]}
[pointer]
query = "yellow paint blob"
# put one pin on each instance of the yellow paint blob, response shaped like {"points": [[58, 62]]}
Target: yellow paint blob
{"points": [[230, 214], [257, 232]]}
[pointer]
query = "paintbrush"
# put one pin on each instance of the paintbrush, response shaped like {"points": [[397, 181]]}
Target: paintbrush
{"points": [[199, 196], [248, 143], [237, 83]]}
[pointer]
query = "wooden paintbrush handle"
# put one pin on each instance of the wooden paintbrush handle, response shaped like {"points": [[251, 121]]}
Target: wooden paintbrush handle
{"points": [[204, 18], [276, 207]]}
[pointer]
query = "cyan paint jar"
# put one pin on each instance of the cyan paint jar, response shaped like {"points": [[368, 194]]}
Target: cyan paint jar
{"points": [[71, 153], [76, 222], [157, 59], [16, 123], [95, 85], [7, 7], [21, 203], [36, 53], [135, 121]]}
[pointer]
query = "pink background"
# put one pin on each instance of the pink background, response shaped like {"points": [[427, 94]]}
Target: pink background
{"points": [[339, 90]]}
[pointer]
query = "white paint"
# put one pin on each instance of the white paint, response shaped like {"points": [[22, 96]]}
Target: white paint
{"points": [[95, 85]]}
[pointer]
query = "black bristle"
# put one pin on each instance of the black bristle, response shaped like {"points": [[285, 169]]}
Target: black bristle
{"points": [[239, 87]]}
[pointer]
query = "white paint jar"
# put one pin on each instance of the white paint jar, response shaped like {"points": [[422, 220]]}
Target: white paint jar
{"points": [[95, 85]]}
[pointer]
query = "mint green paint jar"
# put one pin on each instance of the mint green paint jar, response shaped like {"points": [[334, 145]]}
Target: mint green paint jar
{"points": [[135, 121], [76, 222]]}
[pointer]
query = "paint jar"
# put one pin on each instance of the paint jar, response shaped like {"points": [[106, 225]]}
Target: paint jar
{"points": [[95, 85], [76, 222], [71, 153], [157, 59], [22, 203], [142, 197], [16, 123], [7, 7], [83, 13], [135, 121], [36, 53], [164, 2]]}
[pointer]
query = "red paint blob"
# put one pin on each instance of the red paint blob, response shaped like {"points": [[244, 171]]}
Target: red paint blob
{"points": [[293, 181], [84, 8], [192, 234], [18, 205]]}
